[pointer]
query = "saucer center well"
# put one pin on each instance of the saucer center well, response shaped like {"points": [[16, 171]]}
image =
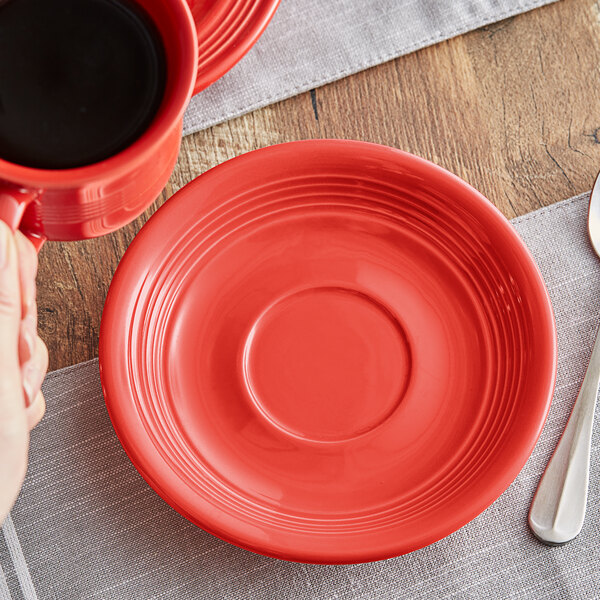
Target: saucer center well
{"points": [[326, 364]]}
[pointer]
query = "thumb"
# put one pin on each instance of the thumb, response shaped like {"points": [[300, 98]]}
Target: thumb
{"points": [[12, 412]]}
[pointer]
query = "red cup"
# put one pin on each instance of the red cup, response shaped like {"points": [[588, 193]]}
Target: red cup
{"points": [[96, 199]]}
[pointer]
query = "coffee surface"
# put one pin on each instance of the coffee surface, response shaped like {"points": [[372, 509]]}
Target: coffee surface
{"points": [[80, 80]]}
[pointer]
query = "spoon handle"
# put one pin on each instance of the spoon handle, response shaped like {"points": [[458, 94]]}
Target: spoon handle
{"points": [[558, 508]]}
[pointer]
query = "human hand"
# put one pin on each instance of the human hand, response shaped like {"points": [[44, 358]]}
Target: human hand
{"points": [[23, 362]]}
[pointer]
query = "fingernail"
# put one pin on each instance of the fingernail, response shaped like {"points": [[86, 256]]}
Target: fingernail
{"points": [[4, 240]]}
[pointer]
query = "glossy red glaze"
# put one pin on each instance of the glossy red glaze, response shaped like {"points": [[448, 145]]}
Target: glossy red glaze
{"points": [[227, 29], [328, 351], [97, 199]]}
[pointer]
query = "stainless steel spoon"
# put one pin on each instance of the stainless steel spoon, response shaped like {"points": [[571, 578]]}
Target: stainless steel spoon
{"points": [[558, 509]]}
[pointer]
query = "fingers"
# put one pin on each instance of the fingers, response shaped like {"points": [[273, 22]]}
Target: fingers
{"points": [[36, 410], [12, 415], [28, 334], [27, 274], [14, 434], [28, 264], [23, 361], [34, 371], [33, 354]]}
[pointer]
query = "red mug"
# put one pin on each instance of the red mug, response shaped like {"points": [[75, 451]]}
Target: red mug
{"points": [[96, 199]]}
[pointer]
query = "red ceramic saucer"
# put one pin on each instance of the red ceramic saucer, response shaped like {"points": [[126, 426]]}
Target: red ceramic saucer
{"points": [[328, 351], [227, 29]]}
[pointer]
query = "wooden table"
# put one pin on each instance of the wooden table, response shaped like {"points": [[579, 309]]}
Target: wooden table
{"points": [[513, 108]]}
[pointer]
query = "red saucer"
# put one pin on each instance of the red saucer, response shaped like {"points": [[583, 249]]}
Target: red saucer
{"points": [[328, 351], [227, 29]]}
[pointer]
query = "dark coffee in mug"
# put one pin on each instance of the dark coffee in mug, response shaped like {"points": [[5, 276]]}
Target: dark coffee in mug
{"points": [[80, 80]]}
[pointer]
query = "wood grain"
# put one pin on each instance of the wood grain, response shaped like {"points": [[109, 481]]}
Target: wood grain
{"points": [[513, 108]]}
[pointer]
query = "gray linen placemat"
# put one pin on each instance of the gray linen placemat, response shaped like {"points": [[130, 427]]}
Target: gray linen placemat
{"points": [[312, 42], [87, 526]]}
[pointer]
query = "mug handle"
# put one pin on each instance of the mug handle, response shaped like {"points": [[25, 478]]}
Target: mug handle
{"points": [[13, 203]]}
